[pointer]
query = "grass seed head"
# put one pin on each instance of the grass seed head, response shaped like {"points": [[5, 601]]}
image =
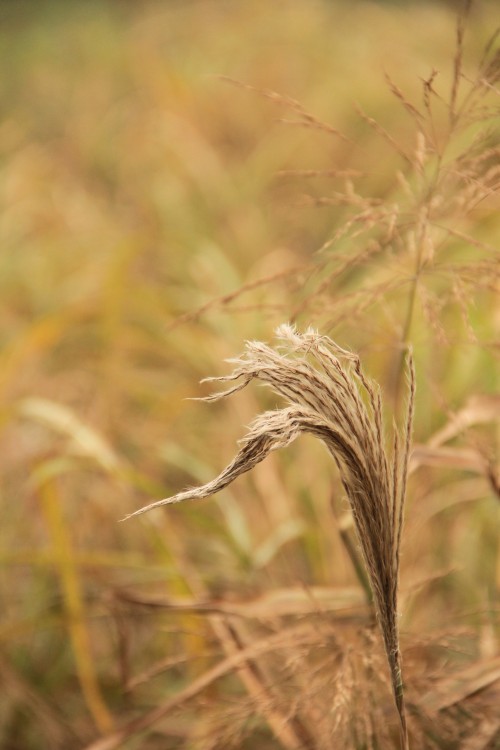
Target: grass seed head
{"points": [[328, 396]]}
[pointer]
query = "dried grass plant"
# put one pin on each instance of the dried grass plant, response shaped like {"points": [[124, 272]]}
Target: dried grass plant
{"points": [[323, 385], [407, 242], [414, 258]]}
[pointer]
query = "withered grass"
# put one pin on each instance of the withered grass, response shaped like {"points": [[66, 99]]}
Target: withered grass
{"points": [[324, 400]]}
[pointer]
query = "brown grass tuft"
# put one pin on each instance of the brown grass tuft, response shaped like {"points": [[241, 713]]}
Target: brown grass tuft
{"points": [[324, 386]]}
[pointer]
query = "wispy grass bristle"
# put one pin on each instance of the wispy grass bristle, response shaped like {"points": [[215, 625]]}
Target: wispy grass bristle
{"points": [[323, 385]]}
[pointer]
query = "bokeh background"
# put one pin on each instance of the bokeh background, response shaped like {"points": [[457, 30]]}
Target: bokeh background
{"points": [[154, 216]]}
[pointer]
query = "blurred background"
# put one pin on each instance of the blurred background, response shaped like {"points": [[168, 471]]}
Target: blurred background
{"points": [[154, 216]]}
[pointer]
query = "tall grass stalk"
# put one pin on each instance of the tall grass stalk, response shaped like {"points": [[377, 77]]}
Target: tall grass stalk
{"points": [[324, 386]]}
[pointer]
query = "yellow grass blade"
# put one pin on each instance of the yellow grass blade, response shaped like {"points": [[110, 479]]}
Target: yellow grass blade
{"points": [[74, 605]]}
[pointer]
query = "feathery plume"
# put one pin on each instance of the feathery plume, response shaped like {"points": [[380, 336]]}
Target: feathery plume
{"points": [[324, 386]]}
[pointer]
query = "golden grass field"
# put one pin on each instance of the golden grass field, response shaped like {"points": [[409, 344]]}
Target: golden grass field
{"points": [[154, 216]]}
